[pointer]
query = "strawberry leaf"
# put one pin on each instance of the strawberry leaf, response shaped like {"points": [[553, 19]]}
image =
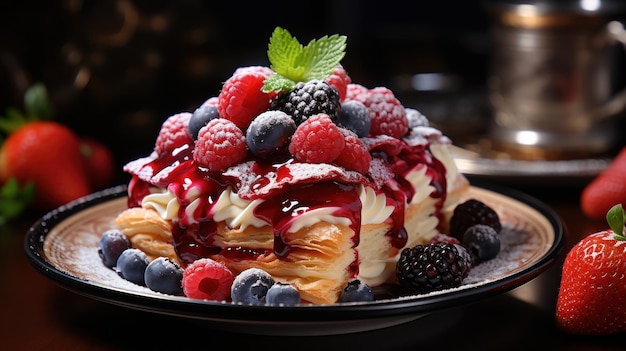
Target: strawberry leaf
{"points": [[615, 219], [37, 104], [14, 199]]}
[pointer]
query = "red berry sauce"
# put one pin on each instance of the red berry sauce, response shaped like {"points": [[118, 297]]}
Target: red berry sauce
{"points": [[288, 189]]}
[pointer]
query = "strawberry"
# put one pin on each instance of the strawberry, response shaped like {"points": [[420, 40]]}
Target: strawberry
{"points": [[45, 153], [606, 189], [592, 294], [98, 162]]}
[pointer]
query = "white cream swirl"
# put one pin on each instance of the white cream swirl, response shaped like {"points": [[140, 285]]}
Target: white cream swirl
{"points": [[374, 208], [235, 211]]}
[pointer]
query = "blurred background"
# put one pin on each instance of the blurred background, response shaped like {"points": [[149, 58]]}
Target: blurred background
{"points": [[116, 69]]}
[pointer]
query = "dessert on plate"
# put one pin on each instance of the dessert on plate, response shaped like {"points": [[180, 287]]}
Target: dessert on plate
{"points": [[295, 170]]}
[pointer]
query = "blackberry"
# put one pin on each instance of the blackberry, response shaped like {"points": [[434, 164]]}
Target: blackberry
{"points": [[430, 267], [472, 212], [308, 99]]}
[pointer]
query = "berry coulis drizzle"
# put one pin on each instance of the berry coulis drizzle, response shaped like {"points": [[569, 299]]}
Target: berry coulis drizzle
{"points": [[193, 233]]}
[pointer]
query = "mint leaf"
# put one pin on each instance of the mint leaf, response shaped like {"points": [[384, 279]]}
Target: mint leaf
{"points": [[321, 56], [283, 51], [277, 82], [294, 63], [615, 218]]}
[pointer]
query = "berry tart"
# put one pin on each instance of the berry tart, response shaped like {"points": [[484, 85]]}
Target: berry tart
{"points": [[292, 179]]}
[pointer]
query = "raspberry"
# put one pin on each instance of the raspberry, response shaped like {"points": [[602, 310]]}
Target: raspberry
{"points": [[356, 92], [241, 98], [317, 140], [308, 99], [472, 212], [430, 267], [388, 116], [207, 279], [212, 101], [174, 133], [355, 156], [340, 80], [220, 145]]}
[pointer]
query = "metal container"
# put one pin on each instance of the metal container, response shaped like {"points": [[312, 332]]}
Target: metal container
{"points": [[553, 75]]}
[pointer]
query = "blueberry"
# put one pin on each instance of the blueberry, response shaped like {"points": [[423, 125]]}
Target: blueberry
{"points": [[269, 133], [356, 291], [482, 241], [165, 276], [200, 117], [282, 294], [111, 245], [251, 286], [131, 265], [356, 117]]}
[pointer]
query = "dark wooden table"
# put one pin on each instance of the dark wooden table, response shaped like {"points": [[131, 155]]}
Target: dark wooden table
{"points": [[40, 315]]}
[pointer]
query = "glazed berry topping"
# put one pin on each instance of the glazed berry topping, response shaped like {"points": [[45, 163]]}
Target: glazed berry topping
{"points": [[355, 117], [282, 295], [200, 117], [241, 98], [165, 276], [416, 118], [482, 241], [340, 80], [220, 144], [269, 134], [174, 133], [356, 291], [308, 99], [111, 245], [472, 212], [354, 156], [317, 140], [207, 279], [431, 267], [131, 265], [251, 286]]}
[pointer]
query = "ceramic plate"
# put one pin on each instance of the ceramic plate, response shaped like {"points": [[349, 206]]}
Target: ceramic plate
{"points": [[63, 246]]}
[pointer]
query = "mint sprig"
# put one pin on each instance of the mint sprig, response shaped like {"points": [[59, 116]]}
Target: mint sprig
{"points": [[615, 217], [294, 63]]}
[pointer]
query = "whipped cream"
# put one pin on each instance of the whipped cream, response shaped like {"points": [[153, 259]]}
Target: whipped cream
{"points": [[239, 213]]}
